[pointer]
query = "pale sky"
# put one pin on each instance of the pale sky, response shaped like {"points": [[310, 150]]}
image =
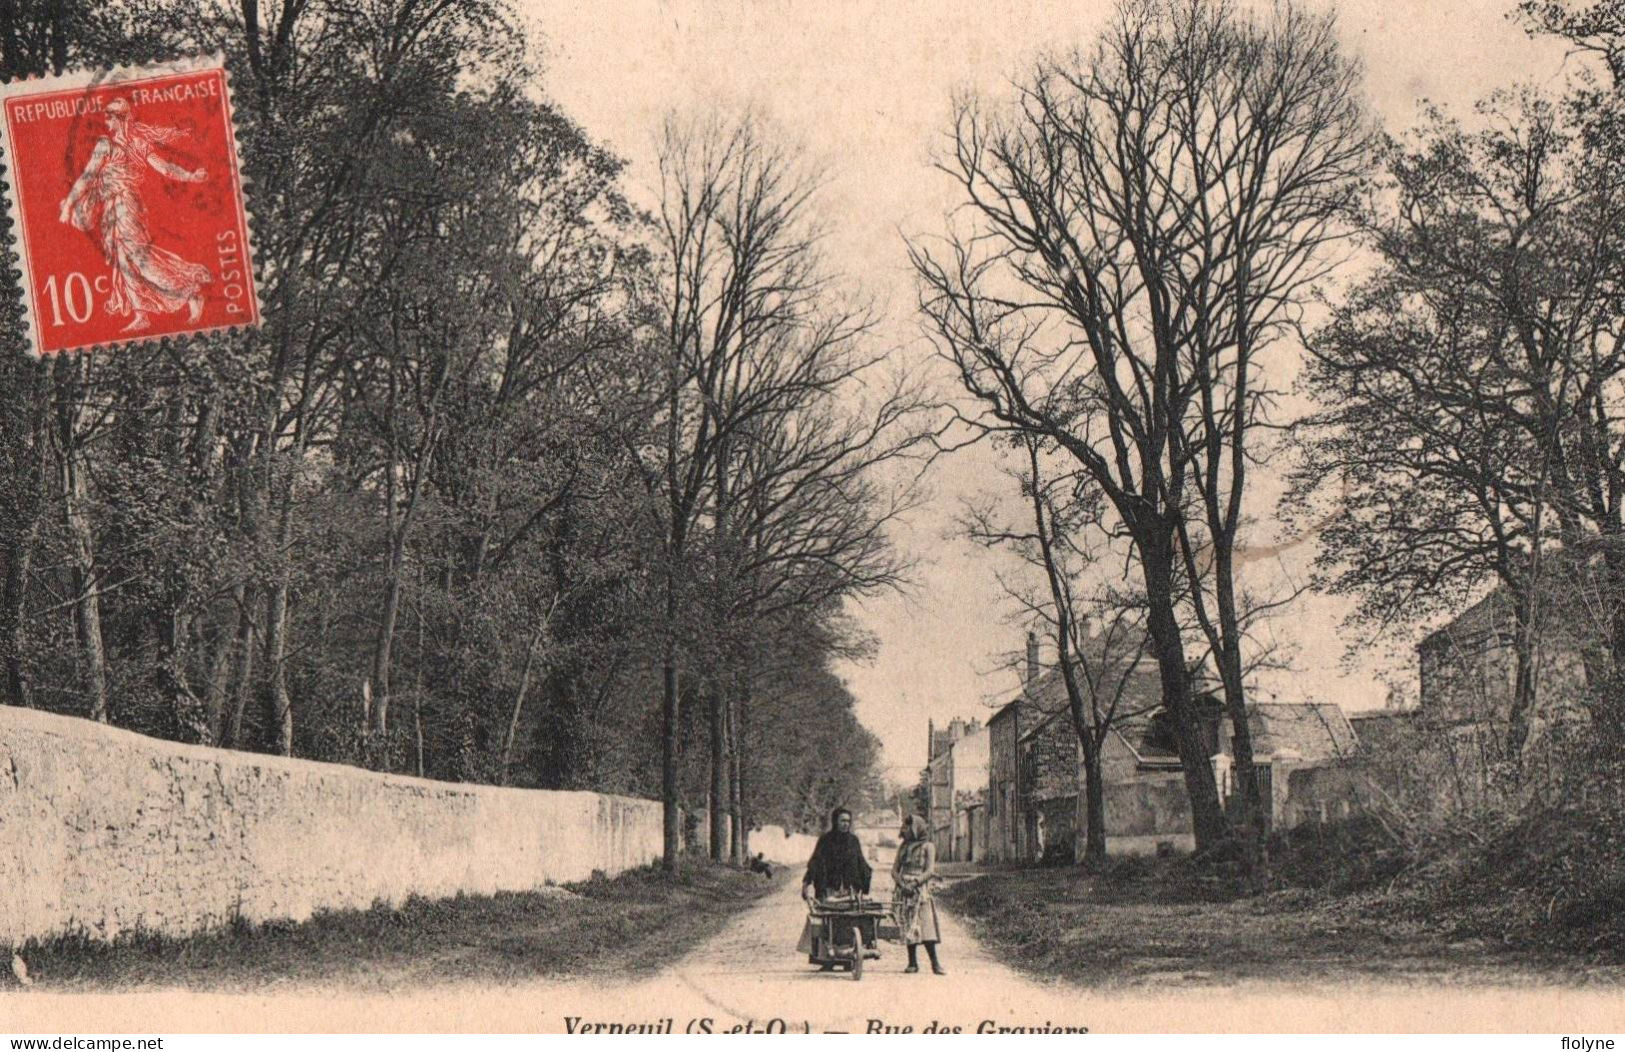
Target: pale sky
{"points": [[866, 87]]}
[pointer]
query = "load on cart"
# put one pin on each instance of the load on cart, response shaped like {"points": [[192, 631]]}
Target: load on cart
{"points": [[844, 931]]}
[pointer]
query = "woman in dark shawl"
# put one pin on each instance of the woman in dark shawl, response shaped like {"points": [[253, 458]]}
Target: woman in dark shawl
{"points": [[837, 868], [837, 863]]}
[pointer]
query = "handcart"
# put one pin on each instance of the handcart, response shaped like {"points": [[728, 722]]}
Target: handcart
{"points": [[846, 930]]}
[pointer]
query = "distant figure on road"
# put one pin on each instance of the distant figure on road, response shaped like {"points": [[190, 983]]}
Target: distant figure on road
{"points": [[913, 873], [762, 866]]}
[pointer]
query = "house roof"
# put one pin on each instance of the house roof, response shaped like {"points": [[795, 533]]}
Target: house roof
{"points": [[1137, 705], [1135, 732], [1048, 700], [1373, 730], [1382, 718], [1491, 621], [1005, 710], [1110, 652], [1315, 730], [1484, 621]]}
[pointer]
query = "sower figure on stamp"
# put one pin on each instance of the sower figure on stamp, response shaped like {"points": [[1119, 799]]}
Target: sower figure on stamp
{"points": [[913, 874], [106, 200], [837, 869]]}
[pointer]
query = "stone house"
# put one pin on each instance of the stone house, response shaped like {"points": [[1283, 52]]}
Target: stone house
{"points": [[957, 780], [1147, 807], [1008, 835], [1049, 754], [1036, 773], [1453, 748], [1468, 671]]}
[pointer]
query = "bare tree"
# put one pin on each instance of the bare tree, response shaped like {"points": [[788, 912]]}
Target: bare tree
{"points": [[1096, 625], [748, 329], [1144, 227], [809, 530]]}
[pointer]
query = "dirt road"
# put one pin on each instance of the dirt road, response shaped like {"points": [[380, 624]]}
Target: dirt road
{"points": [[750, 975], [752, 972]]}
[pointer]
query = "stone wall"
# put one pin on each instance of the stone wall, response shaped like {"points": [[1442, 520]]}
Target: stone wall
{"points": [[1315, 795], [104, 831], [1154, 807], [1053, 760]]}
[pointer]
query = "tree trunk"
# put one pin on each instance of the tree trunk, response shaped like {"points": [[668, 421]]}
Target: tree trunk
{"points": [[722, 674], [672, 841], [736, 799], [187, 713], [1519, 715], [1086, 723], [19, 559], [276, 619], [417, 686], [384, 643], [670, 731], [269, 490], [1094, 807], [214, 697], [400, 527], [247, 600], [173, 620], [276, 657], [519, 701], [719, 774], [23, 503], [1254, 826], [1208, 823], [1606, 700], [378, 726], [87, 608]]}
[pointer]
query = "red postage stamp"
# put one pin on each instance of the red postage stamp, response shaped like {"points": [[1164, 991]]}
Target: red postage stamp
{"points": [[127, 206]]}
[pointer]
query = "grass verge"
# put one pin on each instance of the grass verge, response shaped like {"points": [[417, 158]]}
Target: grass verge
{"points": [[625, 926], [1158, 921]]}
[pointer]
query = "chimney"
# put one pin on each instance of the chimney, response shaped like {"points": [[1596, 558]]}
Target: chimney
{"points": [[1032, 656]]}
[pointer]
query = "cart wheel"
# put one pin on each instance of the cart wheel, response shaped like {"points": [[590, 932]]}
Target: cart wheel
{"points": [[857, 959]]}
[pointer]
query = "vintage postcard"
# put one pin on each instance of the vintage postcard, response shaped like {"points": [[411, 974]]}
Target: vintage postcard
{"points": [[127, 205], [1004, 517]]}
